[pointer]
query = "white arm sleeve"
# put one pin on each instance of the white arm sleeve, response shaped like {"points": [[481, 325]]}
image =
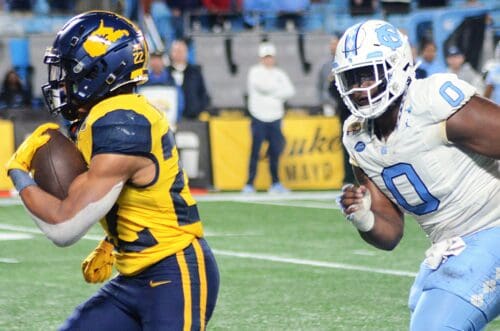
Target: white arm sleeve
{"points": [[70, 231]]}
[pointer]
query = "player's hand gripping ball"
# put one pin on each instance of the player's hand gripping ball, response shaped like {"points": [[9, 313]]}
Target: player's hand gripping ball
{"points": [[23, 156]]}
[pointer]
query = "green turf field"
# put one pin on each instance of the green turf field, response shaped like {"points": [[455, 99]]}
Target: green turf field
{"points": [[284, 264]]}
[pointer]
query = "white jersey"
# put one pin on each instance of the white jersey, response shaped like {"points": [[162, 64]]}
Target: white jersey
{"points": [[450, 191]]}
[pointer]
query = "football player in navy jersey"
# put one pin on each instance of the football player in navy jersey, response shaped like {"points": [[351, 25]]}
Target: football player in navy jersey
{"points": [[428, 147], [135, 186]]}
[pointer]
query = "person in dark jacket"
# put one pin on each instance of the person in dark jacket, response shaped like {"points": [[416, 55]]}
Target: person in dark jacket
{"points": [[14, 94], [190, 78]]}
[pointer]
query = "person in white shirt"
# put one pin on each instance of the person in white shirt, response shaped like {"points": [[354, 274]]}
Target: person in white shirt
{"points": [[268, 89]]}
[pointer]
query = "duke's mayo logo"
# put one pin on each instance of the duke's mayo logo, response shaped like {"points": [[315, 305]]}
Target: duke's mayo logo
{"points": [[99, 41]]}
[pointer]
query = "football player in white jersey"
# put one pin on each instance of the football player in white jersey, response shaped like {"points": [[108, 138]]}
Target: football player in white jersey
{"points": [[429, 148]]}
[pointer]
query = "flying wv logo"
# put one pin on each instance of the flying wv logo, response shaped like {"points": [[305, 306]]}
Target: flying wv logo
{"points": [[99, 41]]}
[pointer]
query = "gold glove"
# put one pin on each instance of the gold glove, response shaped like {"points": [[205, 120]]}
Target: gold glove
{"points": [[21, 159], [98, 266]]}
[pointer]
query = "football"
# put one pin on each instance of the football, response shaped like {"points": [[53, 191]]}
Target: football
{"points": [[57, 164]]}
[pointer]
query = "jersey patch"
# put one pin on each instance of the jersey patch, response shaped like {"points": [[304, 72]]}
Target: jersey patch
{"points": [[360, 146], [123, 132], [354, 128]]}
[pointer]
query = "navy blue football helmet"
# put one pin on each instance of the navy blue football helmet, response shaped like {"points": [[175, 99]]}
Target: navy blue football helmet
{"points": [[94, 54]]}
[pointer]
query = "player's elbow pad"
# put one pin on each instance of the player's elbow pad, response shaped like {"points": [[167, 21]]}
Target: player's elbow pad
{"points": [[71, 230]]}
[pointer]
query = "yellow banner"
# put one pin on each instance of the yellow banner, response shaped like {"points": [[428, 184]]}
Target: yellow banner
{"points": [[312, 158], [6, 151]]}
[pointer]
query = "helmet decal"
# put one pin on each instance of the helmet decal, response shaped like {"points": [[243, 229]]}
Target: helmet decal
{"points": [[388, 36], [350, 48], [99, 41]]}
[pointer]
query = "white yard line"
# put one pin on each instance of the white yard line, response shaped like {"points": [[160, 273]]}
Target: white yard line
{"points": [[298, 204], [314, 263], [36, 231], [256, 197], [15, 236], [254, 256], [324, 199], [10, 202]]}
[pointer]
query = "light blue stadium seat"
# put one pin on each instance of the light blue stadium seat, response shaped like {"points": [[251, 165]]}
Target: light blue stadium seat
{"points": [[163, 20], [20, 56]]}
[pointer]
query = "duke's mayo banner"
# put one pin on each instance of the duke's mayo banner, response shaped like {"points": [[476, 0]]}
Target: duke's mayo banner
{"points": [[312, 158], [6, 150]]}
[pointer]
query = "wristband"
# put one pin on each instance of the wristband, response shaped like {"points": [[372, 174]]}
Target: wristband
{"points": [[363, 223], [21, 179]]}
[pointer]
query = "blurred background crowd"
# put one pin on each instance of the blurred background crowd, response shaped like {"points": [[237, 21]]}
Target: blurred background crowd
{"points": [[202, 51]]}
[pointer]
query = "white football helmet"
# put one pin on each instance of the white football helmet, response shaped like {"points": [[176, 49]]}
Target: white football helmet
{"points": [[373, 66]]}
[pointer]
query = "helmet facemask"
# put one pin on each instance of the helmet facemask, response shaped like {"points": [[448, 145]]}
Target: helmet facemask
{"points": [[55, 90], [363, 88]]}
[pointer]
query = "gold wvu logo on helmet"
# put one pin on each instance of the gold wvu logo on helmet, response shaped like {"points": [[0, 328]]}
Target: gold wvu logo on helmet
{"points": [[99, 41]]}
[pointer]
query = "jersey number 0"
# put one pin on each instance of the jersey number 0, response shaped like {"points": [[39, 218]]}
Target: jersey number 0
{"points": [[454, 96]]}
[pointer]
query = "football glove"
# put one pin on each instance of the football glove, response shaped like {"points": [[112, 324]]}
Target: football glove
{"points": [[98, 266], [21, 159]]}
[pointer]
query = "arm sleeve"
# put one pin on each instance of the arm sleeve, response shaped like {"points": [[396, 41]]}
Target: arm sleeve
{"points": [[70, 231]]}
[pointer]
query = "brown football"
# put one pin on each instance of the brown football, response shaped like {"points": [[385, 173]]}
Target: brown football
{"points": [[57, 164]]}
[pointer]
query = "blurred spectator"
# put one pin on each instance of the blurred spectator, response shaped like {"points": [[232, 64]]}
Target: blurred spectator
{"points": [[19, 5], [428, 59], [255, 12], [457, 65], [362, 7], [181, 9], [492, 90], [268, 89], [14, 94], [432, 3], [190, 78], [158, 73], [473, 3], [419, 72], [291, 14], [396, 6], [169, 99], [325, 78], [61, 6], [332, 102], [220, 12]]}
